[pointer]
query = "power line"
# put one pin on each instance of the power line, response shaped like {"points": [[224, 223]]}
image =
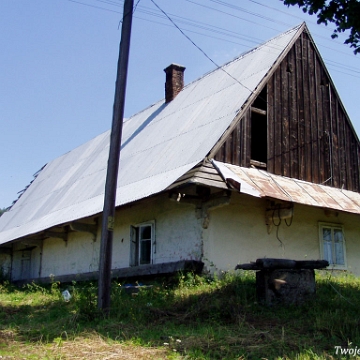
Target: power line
{"points": [[197, 33], [201, 50], [206, 29], [307, 21], [93, 6], [234, 7]]}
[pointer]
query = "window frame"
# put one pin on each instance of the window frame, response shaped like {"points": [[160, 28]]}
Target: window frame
{"points": [[333, 226], [135, 243]]}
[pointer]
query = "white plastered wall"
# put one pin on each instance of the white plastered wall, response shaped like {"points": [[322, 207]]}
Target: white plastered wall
{"points": [[79, 254], [5, 264], [237, 234], [177, 231]]}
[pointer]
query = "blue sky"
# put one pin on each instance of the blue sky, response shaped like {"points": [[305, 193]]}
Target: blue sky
{"points": [[58, 66]]}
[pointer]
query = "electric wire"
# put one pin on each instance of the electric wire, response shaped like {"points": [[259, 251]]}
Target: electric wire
{"points": [[201, 50], [281, 11], [233, 15], [223, 3], [208, 27], [117, 4], [238, 8], [197, 33], [308, 21], [268, 19], [213, 29], [94, 6]]}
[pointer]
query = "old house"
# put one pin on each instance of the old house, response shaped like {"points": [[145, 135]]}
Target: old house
{"points": [[257, 158]]}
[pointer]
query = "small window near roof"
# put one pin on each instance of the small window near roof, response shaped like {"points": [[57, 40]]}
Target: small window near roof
{"points": [[141, 244], [332, 244]]}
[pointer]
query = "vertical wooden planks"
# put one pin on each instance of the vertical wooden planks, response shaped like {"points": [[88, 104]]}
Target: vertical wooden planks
{"points": [[228, 148], [318, 128], [285, 158], [219, 156], [271, 126], [326, 139], [247, 138], [346, 171], [341, 124], [309, 134], [312, 141], [293, 119], [335, 145], [236, 145], [307, 171], [300, 107], [277, 123]]}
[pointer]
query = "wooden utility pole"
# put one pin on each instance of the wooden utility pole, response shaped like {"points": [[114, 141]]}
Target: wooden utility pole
{"points": [[113, 162]]}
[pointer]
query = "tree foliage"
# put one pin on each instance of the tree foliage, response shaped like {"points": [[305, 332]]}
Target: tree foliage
{"points": [[345, 14], [2, 211]]}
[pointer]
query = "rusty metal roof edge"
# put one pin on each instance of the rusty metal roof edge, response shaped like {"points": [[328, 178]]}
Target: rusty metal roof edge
{"points": [[244, 176], [226, 174]]}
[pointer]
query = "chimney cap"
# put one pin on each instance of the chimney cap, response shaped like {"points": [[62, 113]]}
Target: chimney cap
{"points": [[175, 67]]}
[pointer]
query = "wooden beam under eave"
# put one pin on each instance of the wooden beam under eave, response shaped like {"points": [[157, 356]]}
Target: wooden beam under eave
{"points": [[56, 235], [82, 227]]}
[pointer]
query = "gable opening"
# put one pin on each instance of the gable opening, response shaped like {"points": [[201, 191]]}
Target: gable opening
{"points": [[258, 124]]}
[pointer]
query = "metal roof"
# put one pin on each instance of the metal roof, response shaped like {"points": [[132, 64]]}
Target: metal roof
{"points": [[159, 145], [260, 183]]}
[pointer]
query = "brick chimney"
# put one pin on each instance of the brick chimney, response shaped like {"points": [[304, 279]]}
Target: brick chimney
{"points": [[174, 81]]}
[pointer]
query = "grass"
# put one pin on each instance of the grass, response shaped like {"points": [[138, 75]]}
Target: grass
{"points": [[186, 317]]}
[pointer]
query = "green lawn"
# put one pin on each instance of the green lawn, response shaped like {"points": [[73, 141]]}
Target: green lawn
{"points": [[185, 317]]}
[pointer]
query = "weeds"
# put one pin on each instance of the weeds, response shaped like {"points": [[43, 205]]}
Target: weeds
{"points": [[186, 317]]}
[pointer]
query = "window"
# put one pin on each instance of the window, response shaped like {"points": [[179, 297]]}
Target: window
{"points": [[332, 244], [142, 241]]}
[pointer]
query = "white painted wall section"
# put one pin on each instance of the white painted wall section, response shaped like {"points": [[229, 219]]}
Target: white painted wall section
{"points": [[237, 234]]}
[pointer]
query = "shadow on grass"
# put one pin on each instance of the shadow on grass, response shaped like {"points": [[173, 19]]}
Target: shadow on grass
{"points": [[196, 316]]}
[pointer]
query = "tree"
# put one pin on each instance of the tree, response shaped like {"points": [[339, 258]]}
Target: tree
{"points": [[2, 211], [345, 14]]}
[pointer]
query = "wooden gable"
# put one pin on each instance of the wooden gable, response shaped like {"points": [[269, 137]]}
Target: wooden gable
{"points": [[297, 126]]}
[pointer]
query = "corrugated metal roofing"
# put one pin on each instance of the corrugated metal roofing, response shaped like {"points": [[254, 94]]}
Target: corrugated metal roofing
{"points": [[260, 183], [159, 145]]}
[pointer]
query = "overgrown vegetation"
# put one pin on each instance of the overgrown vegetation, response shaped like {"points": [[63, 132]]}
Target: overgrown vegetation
{"points": [[2, 210], [344, 14], [187, 317]]}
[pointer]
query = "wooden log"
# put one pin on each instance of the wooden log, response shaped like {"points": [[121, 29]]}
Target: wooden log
{"points": [[268, 263], [276, 263], [128, 272], [311, 264], [251, 266]]}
